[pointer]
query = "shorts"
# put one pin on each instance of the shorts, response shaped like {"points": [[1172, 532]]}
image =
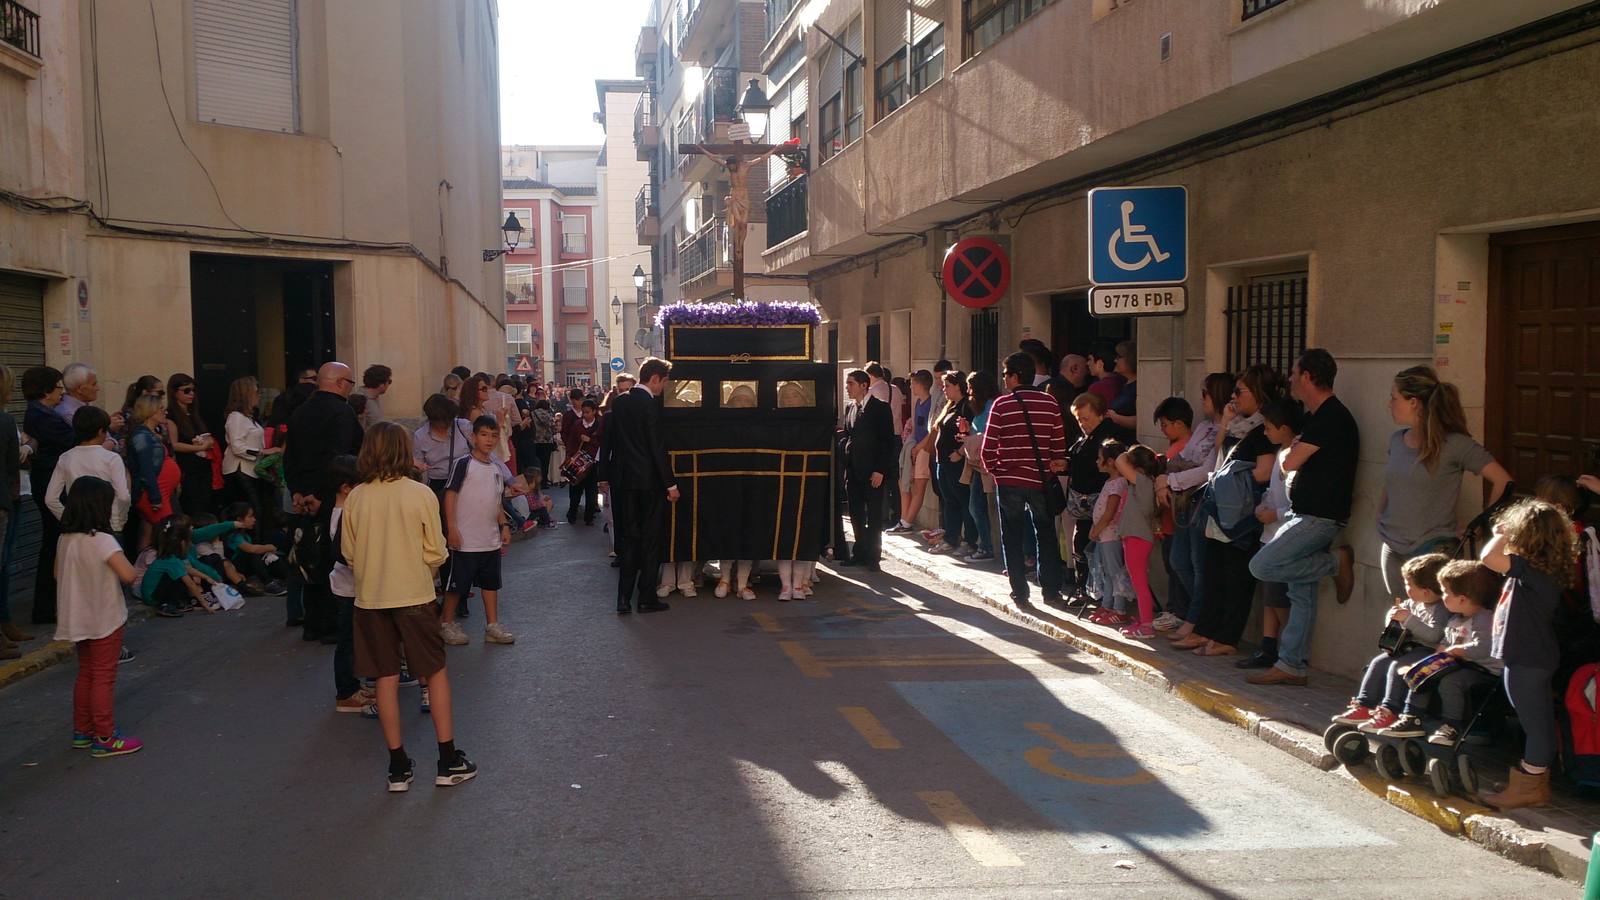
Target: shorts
{"points": [[469, 569], [921, 464], [1275, 594], [380, 633]]}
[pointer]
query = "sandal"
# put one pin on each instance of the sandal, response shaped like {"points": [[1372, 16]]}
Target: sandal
{"points": [[1212, 648], [1191, 642]]}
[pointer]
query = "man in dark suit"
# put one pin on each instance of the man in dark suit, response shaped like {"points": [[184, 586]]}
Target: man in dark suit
{"points": [[869, 457], [636, 467]]}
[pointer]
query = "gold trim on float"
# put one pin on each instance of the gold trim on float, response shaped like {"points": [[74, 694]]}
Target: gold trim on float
{"points": [[777, 525]]}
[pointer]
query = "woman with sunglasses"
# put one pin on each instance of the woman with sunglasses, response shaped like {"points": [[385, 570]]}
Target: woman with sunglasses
{"points": [[191, 443], [42, 388]]}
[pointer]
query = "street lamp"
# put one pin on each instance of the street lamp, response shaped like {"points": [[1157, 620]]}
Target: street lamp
{"points": [[513, 233], [755, 109], [638, 277]]}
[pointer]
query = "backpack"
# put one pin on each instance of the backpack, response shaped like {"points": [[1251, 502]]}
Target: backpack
{"points": [[1229, 498], [1581, 754], [311, 549]]}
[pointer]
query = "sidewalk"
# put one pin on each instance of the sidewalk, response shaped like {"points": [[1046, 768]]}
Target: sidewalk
{"points": [[1555, 838]]}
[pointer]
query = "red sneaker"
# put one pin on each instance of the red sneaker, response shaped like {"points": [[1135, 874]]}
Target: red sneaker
{"points": [[1382, 718], [1356, 714]]}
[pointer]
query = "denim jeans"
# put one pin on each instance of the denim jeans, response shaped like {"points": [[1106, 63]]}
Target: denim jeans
{"points": [[1023, 515], [954, 515], [978, 508], [1189, 564], [1299, 557], [1383, 685]]}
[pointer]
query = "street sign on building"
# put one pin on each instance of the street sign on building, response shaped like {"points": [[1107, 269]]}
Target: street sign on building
{"points": [[524, 364], [1139, 235], [977, 272], [616, 364]]}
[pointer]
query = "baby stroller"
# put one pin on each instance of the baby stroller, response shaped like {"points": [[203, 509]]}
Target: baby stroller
{"points": [[1446, 767]]}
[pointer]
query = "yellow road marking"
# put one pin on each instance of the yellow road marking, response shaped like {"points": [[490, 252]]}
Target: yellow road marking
{"points": [[819, 667], [767, 622], [1041, 759], [802, 658], [968, 830], [872, 730]]}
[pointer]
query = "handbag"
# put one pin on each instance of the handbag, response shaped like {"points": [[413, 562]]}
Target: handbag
{"points": [[1396, 639], [1055, 496]]}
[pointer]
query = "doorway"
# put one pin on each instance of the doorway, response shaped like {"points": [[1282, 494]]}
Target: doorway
{"points": [[1073, 329], [1544, 334], [264, 317]]}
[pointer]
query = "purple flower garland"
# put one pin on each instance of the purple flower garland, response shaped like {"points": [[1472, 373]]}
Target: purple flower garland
{"points": [[740, 313]]}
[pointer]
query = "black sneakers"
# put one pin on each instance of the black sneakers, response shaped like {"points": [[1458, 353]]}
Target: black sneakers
{"points": [[400, 782], [454, 773]]}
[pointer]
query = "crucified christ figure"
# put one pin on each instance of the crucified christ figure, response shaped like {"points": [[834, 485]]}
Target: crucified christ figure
{"points": [[737, 203]]}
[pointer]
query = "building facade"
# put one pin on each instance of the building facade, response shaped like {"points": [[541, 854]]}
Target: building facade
{"points": [[248, 188], [697, 57], [624, 175], [553, 315], [1402, 183]]}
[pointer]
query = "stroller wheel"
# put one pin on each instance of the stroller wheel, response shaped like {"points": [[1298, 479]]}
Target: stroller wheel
{"points": [[1438, 772], [1467, 774], [1412, 758], [1349, 747], [1386, 759], [1330, 736]]}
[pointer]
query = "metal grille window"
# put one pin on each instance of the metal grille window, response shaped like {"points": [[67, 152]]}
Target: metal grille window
{"points": [[891, 84], [1267, 321], [574, 289], [927, 61], [1257, 7], [245, 63], [986, 341]]}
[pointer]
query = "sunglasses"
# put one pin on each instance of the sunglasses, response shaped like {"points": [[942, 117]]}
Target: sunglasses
{"points": [[186, 390]]}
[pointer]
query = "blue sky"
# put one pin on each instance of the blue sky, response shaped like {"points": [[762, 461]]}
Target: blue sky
{"points": [[551, 52]]}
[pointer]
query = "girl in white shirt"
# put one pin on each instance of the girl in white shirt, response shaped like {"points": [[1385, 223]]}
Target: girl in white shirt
{"points": [[90, 612]]}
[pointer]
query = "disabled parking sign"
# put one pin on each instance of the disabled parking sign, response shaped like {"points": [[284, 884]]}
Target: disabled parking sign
{"points": [[1139, 235]]}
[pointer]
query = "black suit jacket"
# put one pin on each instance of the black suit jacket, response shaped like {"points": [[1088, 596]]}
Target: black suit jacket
{"points": [[322, 427], [632, 455], [869, 440]]}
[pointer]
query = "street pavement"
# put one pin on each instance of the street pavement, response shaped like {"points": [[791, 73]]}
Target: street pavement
{"points": [[882, 739]]}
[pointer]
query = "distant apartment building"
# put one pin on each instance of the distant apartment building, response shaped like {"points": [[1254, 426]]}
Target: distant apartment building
{"points": [[552, 316], [624, 190], [696, 57]]}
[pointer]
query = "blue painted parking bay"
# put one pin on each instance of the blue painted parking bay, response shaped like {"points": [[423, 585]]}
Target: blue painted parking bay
{"points": [[1079, 754]]}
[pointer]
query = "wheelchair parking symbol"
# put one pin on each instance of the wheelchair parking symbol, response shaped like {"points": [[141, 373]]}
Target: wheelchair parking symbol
{"points": [[1138, 235]]}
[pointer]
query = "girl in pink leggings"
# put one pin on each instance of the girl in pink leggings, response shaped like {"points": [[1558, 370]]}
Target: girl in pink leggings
{"points": [[1140, 466]]}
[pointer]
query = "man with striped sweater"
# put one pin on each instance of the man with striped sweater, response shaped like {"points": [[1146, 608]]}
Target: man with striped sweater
{"points": [[1023, 419]]}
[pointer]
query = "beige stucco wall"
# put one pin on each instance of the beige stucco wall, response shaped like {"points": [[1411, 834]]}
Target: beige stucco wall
{"points": [[624, 175], [1388, 213]]}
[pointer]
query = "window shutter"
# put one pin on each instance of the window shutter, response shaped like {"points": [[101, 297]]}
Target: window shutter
{"points": [[853, 39], [830, 74], [572, 224], [926, 15], [890, 37], [244, 63], [799, 99], [778, 130]]}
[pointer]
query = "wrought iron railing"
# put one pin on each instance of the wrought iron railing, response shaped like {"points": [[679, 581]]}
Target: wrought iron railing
{"points": [[649, 297], [704, 251], [644, 115], [1257, 7], [719, 99], [1266, 321], [786, 211], [644, 204], [19, 27]]}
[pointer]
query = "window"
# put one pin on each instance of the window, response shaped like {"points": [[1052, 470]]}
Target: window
{"points": [[927, 61], [739, 394], [828, 120], [891, 84], [1267, 321], [577, 343], [519, 339], [574, 236], [574, 289], [525, 243], [786, 61], [245, 63], [519, 285], [798, 394], [854, 103], [683, 393], [988, 20]]}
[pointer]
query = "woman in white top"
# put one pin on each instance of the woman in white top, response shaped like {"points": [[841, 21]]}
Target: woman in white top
{"points": [[246, 446]]}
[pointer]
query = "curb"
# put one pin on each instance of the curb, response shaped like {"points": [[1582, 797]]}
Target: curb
{"points": [[35, 661], [1455, 816]]}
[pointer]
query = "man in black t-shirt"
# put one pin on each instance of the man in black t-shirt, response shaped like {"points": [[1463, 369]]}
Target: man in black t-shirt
{"points": [[1321, 468]]}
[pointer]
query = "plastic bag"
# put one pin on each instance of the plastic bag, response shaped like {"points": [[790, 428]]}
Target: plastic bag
{"points": [[227, 596]]}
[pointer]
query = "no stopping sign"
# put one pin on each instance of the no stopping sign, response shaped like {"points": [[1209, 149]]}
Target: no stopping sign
{"points": [[977, 272]]}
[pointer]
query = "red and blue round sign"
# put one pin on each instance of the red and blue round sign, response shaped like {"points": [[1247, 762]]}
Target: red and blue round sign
{"points": [[977, 272]]}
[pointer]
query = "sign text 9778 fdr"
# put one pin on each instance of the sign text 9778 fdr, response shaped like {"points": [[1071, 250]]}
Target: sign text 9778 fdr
{"points": [[1138, 301]]}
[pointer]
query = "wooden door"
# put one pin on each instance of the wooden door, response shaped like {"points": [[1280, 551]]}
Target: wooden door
{"points": [[1543, 415]]}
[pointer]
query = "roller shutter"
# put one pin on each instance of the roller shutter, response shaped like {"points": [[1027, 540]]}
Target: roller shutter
{"points": [[244, 63], [892, 22], [21, 331], [926, 15]]}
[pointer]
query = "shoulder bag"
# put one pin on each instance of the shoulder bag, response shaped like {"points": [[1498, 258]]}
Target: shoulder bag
{"points": [[1055, 497]]}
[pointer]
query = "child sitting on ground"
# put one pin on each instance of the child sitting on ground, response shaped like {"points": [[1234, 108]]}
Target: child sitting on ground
{"points": [[208, 553], [1141, 467], [1469, 589], [539, 504], [90, 572], [261, 562], [1535, 547], [1383, 689], [170, 583], [1109, 584]]}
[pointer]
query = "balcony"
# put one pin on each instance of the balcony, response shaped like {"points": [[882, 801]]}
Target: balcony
{"points": [[707, 121], [646, 133], [703, 26], [19, 28], [644, 51], [646, 215], [777, 11], [649, 298], [786, 212], [705, 265]]}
